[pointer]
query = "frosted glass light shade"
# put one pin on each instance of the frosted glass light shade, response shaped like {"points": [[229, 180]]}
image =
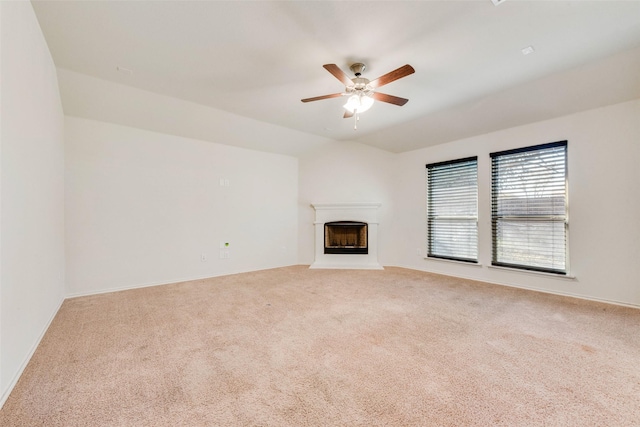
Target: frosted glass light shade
{"points": [[359, 103]]}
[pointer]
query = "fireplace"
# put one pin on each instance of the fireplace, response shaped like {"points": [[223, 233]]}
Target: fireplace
{"points": [[345, 237]]}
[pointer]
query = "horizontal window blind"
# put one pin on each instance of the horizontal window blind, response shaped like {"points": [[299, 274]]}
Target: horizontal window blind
{"points": [[529, 208], [452, 209]]}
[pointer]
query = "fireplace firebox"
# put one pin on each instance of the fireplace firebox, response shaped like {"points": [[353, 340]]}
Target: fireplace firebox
{"points": [[345, 237]]}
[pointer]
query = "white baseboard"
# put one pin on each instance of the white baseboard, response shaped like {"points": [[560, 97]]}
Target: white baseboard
{"points": [[6, 393], [167, 282], [141, 285], [544, 291]]}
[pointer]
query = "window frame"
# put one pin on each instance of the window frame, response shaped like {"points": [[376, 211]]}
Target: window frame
{"points": [[549, 218], [431, 219]]}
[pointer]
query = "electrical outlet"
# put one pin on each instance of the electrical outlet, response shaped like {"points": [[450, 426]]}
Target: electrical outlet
{"points": [[418, 251], [203, 257]]}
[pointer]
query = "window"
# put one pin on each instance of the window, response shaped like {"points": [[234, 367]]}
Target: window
{"points": [[452, 209], [529, 207]]}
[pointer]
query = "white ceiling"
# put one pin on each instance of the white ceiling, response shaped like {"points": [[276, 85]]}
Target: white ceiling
{"points": [[259, 58]]}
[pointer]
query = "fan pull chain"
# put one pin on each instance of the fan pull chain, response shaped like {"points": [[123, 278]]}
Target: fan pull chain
{"points": [[356, 118]]}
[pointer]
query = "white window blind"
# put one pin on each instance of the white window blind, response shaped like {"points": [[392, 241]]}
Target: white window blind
{"points": [[529, 207], [452, 209]]}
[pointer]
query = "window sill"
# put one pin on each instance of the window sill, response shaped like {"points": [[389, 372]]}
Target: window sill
{"points": [[568, 277], [535, 273], [453, 261]]}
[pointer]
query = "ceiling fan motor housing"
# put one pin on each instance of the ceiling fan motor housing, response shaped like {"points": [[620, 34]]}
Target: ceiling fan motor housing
{"points": [[360, 85]]}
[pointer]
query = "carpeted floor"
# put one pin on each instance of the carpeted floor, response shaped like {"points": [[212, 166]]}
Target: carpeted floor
{"points": [[300, 347]]}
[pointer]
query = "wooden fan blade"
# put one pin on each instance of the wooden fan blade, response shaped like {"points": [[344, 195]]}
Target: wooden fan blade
{"points": [[396, 100], [318, 98], [394, 75], [347, 114], [338, 74]]}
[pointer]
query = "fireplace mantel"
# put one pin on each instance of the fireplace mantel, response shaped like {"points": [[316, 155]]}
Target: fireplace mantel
{"points": [[357, 211]]}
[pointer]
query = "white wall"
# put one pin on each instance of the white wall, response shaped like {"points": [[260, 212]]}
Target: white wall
{"points": [[141, 208], [92, 98], [604, 203], [345, 172], [32, 191]]}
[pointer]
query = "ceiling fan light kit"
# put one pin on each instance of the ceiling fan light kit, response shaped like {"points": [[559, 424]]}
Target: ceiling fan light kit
{"points": [[361, 91], [358, 103]]}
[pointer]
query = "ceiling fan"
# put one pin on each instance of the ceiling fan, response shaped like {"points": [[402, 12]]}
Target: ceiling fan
{"points": [[361, 91]]}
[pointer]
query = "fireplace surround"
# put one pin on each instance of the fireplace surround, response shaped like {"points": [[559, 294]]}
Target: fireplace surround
{"points": [[346, 235]]}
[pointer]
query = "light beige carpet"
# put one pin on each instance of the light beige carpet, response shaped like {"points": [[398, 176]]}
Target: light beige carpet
{"points": [[299, 347]]}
